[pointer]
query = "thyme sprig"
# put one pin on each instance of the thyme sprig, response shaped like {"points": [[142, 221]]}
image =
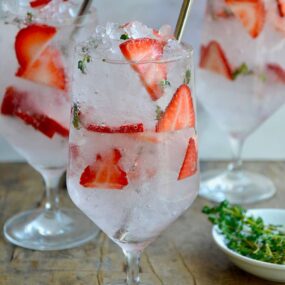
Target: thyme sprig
{"points": [[247, 235]]}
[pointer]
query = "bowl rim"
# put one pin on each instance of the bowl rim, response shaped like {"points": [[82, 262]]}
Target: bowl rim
{"points": [[219, 240]]}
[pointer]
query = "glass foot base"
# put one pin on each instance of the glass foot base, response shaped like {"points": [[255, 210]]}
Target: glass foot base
{"points": [[41, 230], [238, 188]]}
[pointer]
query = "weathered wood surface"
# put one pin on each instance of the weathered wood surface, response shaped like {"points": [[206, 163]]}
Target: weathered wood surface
{"points": [[185, 254]]}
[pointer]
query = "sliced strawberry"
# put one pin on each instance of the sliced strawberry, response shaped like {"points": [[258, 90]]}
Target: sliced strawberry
{"points": [[151, 74], [213, 58], [47, 69], [281, 7], [39, 3], [105, 173], [277, 71], [179, 114], [190, 163], [134, 128], [251, 13], [13, 105], [31, 41], [38, 62]]}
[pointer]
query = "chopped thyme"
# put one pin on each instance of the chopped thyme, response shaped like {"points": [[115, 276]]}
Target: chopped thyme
{"points": [[241, 70], [248, 235], [124, 37], [75, 120], [158, 112], [187, 77], [82, 63], [29, 17], [164, 83]]}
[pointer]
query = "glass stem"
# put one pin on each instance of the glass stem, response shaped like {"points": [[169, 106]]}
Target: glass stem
{"points": [[52, 179], [237, 146], [133, 263]]}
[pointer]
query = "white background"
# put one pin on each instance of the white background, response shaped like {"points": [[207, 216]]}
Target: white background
{"points": [[268, 142]]}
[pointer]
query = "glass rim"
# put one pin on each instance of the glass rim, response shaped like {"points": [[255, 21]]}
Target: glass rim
{"points": [[187, 53], [78, 21]]}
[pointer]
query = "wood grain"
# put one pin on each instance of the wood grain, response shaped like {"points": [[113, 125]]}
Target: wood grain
{"points": [[184, 254]]}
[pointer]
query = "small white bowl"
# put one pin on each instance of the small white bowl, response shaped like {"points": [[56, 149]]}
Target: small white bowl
{"points": [[269, 271]]}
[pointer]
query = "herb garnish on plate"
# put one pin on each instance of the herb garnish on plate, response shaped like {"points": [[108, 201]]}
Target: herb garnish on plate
{"points": [[247, 235]]}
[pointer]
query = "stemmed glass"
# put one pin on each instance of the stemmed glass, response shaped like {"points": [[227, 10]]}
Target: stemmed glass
{"points": [[34, 117], [133, 167], [241, 84]]}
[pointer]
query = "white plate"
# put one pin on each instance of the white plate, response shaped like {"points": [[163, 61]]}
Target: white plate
{"points": [[269, 271]]}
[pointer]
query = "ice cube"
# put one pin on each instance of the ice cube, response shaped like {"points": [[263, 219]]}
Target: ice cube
{"points": [[113, 31], [137, 30], [59, 10], [173, 49], [165, 31]]}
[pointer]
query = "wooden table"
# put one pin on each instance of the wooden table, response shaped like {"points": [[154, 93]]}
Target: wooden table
{"points": [[185, 254]]}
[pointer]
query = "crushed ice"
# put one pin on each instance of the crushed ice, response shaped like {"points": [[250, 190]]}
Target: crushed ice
{"points": [[109, 37], [57, 10]]}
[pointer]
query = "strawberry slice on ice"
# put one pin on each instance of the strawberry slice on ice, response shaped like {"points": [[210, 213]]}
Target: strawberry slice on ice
{"points": [[47, 70], [38, 62], [151, 74], [179, 114], [133, 128], [39, 3], [190, 163], [105, 173], [281, 7], [277, 71], [14, 105], [31, 41], [213, 58], [251, 13]]}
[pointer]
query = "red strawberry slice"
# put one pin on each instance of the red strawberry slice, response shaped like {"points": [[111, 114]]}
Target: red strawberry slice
{"points": [[281, 7], [151, 74], [251, 13], [105, 173], [39, 3], [213, 58], [179, 114], [277, 71], [39, 63], [31, 41], [134, 128], [190, 163], [13, 105], [47, 70]]}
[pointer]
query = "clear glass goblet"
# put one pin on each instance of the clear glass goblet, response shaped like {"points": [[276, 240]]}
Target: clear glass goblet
{"points": [[34, 116], [241, 83], [133, 167]]}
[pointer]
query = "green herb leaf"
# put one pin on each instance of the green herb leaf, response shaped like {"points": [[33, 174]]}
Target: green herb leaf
{"points": [[158, 112], [241, 70], [75, 120], [247, 235], [82, 63], [29, 17], [187, 77], [164, 83], [124, 37]]}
